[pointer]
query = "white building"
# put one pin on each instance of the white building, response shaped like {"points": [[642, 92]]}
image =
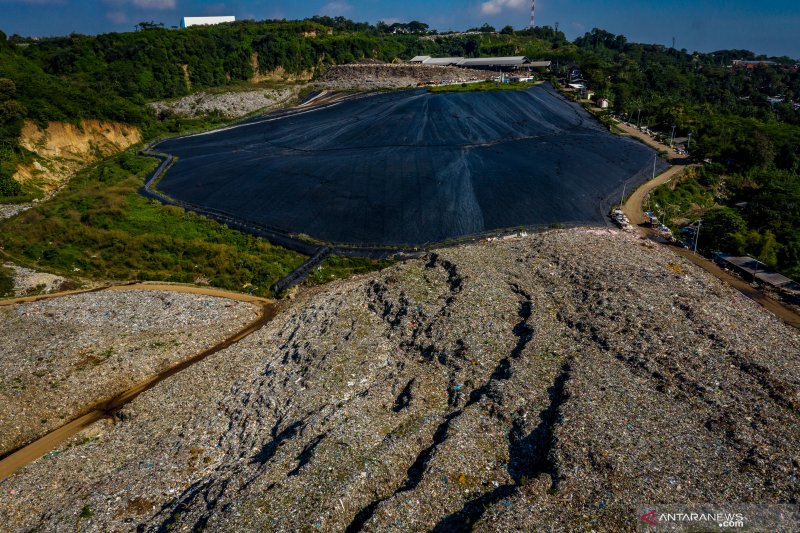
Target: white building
{"points": [[205, 21]]}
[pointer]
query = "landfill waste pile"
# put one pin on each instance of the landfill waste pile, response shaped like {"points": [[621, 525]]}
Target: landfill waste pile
{"points": [[556, 380], [60, 356], [12, 210], [372, 76], [231, 104], [27, 281]]}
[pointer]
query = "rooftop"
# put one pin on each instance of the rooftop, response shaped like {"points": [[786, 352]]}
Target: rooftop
{"points": [[757, 269], [205, 21], [494, 61]]}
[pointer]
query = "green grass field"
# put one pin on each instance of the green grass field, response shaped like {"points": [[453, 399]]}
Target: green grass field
{"points": [[6, 282], [481, 86], [100, 228]]}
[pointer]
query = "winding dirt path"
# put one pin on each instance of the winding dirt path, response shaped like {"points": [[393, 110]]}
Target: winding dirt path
{"points": [[108, 408], [634, 210], [634, 204]]}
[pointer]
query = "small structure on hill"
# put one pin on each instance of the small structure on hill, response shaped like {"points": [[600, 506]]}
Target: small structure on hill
{"points": [[206, 21], [485, 63], [756, 270], [740, 63]]}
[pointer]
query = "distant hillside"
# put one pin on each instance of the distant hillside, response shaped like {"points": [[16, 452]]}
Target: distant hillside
{"points": [[746, 120], [111, 76]]}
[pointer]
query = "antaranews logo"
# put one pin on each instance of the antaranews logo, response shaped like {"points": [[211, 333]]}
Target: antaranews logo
{"points": [[719, 517], [649, 517], [702, 518]]}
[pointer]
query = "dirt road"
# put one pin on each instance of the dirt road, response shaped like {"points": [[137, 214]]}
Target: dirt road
{"points": [[106, 409], [633, 205], [633, 209], [786, 314], [145, 286], [633, 132]]}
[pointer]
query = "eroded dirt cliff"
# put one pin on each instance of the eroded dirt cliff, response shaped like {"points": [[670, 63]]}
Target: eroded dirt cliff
{"points": [[64, 148]]}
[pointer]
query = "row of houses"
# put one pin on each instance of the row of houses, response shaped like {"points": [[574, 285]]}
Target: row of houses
{"points": [[504, 64], [753, 64]]}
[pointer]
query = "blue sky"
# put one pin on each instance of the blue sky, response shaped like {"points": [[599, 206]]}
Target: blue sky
{"points": [[768, 26]]}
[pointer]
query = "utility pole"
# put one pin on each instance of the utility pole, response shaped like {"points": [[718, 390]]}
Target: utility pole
{"points": [[638, 118], [655, 158], [533, 13], [697, 234], [672, 139], [622, 198]]}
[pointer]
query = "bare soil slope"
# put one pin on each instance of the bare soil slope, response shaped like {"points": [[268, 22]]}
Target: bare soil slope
{"points": [[556, 381], [64, 148]]}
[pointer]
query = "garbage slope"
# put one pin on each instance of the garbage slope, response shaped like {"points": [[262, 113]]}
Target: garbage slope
{"points": [[61, 356], [559, 379]]}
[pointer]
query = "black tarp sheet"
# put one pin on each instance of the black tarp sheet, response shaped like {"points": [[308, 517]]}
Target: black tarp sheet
{"points": [[412, 167]]}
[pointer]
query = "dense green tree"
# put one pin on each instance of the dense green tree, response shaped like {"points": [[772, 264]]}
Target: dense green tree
{"points": [[8, 185], [8, 89], [723, 229], [744, 120]]}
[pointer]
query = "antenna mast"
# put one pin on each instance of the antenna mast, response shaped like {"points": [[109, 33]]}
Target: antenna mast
{"points": [[533, 12]]}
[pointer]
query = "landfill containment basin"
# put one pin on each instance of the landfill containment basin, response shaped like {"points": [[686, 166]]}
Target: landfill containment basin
{"points": [[412, 167]]}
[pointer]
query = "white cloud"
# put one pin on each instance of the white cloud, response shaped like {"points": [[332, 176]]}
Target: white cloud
{"points": [[155, 4], [335, 8], [493, 7], [118, 17]]}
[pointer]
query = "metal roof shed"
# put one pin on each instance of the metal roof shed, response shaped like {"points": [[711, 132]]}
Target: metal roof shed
{"points": [[443, 61], [489, 62], [754, 268]]}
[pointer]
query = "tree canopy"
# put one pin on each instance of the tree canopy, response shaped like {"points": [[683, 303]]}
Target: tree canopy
{"points": [[745, 119]]}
